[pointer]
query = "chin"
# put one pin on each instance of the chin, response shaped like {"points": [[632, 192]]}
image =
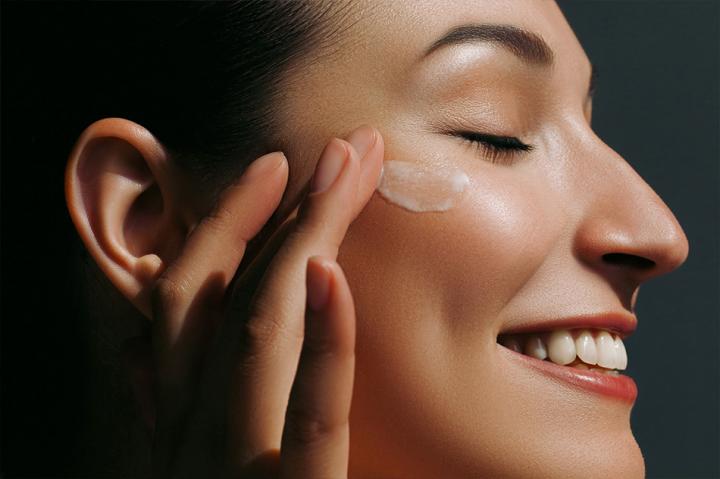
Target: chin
{"points": [[621, 458]]}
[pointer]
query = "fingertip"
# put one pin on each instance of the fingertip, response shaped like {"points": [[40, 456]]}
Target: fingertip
{"points": [[363, 139], [264, 166], [318, 283], [339, 287]]}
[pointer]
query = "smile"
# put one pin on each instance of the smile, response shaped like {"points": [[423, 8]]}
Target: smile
{"points": [[589, 358], [594, 349]]}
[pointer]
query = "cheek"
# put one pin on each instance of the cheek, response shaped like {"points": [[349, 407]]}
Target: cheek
{"points": [[448, 274], [499, 236], [428, 288], [463, 263]]}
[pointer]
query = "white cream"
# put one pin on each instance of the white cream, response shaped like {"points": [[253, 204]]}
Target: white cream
{"points": [[420, 188]]}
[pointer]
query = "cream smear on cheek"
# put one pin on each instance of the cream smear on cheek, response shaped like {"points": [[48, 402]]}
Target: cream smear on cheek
{"points": [[420, 188]]}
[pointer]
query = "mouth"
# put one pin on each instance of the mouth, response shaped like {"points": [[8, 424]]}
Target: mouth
{"points": [[588, 353]]}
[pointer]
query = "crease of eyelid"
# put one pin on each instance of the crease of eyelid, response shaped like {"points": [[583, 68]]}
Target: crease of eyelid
{"points": [[495, 153], [459, 128], [503, 142], [455, 128]]}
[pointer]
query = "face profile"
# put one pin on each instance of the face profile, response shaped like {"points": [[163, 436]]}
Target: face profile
{"points": [[485, 243]]}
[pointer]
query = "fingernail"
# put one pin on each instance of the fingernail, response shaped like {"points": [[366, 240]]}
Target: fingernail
{"points": [[362, 139], [263, 166], [329, 167], [318, 284]]}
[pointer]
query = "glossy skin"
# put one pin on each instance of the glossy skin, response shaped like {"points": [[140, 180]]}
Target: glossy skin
{"points": [[434, 395], [433, 290]]}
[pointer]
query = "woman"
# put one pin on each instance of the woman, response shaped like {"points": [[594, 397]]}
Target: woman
{"points": [[479, 335]]}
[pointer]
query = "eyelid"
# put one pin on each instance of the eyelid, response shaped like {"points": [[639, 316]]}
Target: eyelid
{"points": [[500, 141], [494, 148]]}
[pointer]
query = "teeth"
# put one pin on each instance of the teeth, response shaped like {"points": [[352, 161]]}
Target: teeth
{"points": [[585, 346], [601, 353], [535, 347], [605, 350], [620, 354], [561, 347]]}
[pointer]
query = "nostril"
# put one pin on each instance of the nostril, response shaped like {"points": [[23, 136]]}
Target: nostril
{"points": [[631, 260]]}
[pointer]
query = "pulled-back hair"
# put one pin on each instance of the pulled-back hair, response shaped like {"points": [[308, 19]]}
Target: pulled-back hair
{"points": [[206, 77]]}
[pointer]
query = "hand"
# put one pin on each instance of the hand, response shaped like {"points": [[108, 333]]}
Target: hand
{"points": [[254, 371]]}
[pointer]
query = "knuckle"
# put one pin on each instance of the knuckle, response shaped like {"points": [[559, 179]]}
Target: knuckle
{"points": [[318, 361], [219, 217], [216, 220], [322, 231], [167, 295], [263, 333], [307, 426], [313, 221], [323, 347], [303, 229], [254, 338]]}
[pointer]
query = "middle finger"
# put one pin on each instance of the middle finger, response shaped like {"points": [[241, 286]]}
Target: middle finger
{"points": [[274, 331]]}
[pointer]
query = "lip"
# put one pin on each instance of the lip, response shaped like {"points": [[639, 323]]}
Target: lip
{"points": [[622, 324], [619, 387]]}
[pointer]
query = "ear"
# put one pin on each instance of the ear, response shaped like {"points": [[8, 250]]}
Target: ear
{"points": [[122, 192]]}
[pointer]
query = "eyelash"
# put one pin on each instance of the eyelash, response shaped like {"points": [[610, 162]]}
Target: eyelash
{"points": [[497, 149]]}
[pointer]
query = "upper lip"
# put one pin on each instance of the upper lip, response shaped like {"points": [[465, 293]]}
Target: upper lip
{"points": [[623, 324]]}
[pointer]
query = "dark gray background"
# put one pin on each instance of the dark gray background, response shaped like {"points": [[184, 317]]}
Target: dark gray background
{"points": [[657, 105]]}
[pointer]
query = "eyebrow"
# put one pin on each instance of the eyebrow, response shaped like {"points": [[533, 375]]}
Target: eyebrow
{"points": [[526, 45]]}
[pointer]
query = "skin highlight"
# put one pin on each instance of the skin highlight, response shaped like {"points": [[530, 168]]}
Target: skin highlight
{"points": [[550, 232], [432, 292]]}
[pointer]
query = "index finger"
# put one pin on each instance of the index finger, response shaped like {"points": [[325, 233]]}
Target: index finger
{"points": [[187, 292]]}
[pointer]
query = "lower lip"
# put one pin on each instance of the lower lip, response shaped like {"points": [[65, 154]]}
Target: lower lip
{"points": [[619, 387]]}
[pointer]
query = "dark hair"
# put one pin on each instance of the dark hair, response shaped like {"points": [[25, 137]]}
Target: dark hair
{"points": [[204, 77]]}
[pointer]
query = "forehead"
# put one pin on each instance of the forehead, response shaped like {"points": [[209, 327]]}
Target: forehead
{"points": [[380, 52], [376, 63], [402, 30]]}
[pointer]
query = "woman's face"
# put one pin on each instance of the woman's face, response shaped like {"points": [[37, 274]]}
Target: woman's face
{"points": [[539, 236]]}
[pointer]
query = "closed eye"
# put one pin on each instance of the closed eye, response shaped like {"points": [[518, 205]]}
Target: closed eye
{"points": [[496, 149]]}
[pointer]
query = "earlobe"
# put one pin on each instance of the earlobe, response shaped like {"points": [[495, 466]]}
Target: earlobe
{"points": [[121, 192]]}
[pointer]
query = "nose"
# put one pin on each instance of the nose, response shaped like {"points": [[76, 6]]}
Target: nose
{"points": [[627, 233]]}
